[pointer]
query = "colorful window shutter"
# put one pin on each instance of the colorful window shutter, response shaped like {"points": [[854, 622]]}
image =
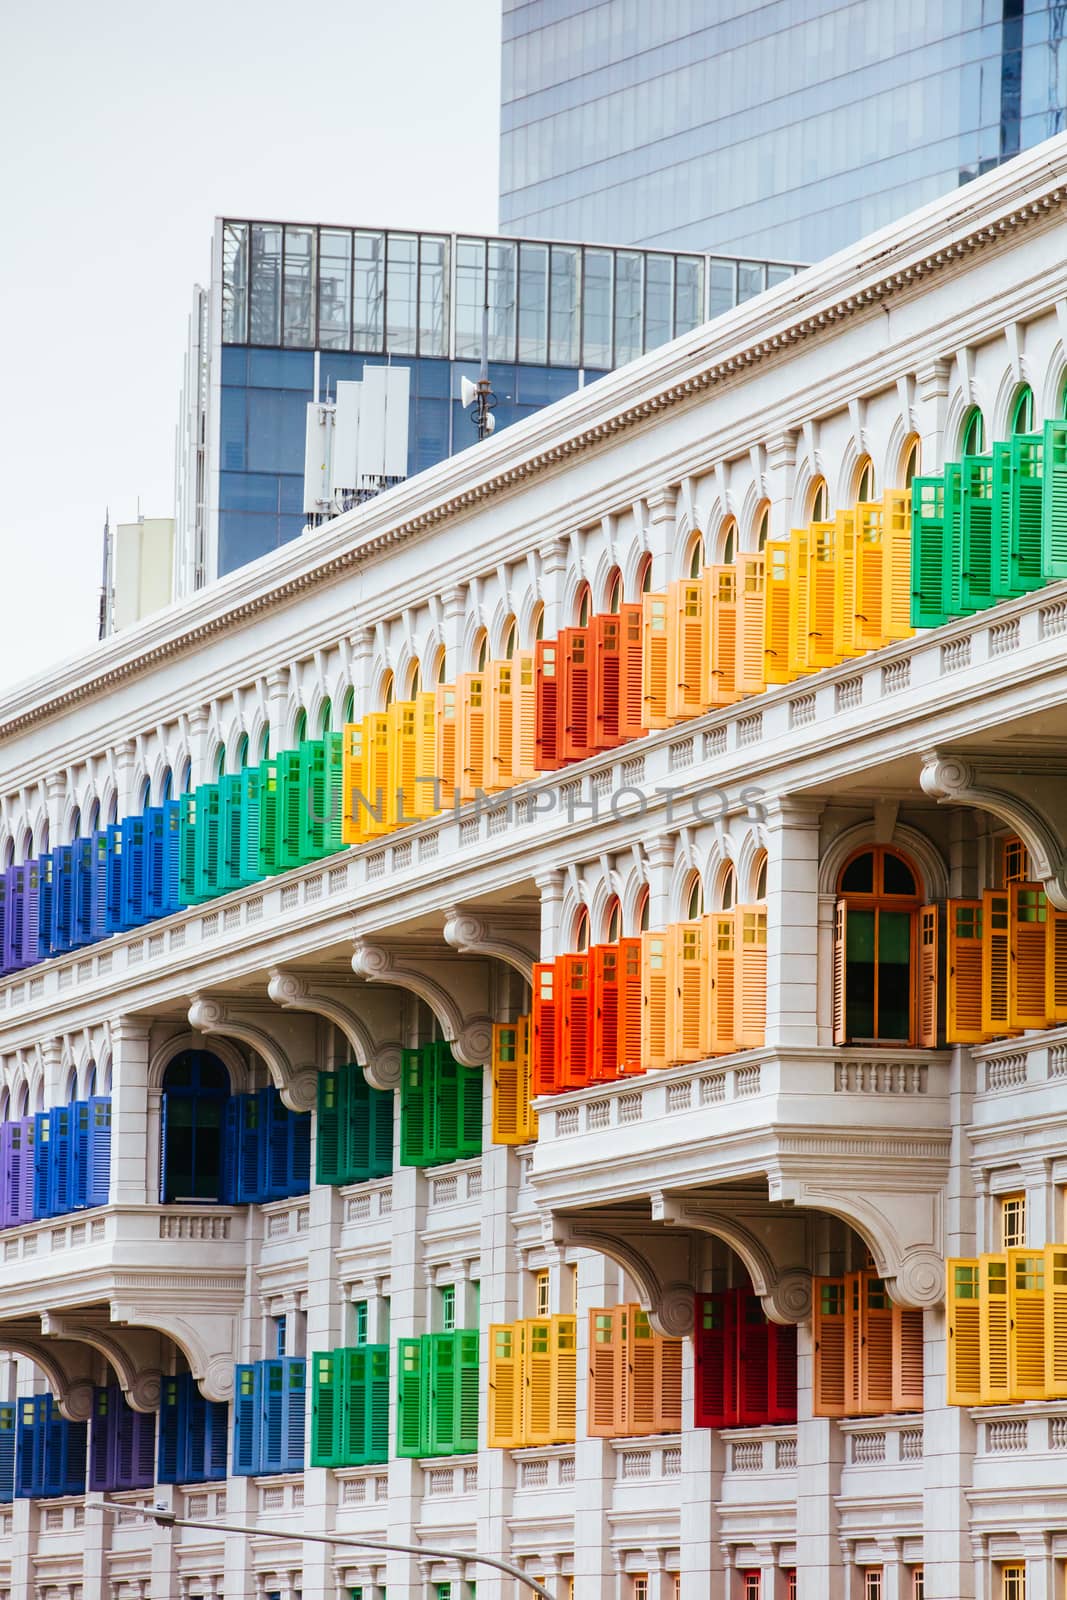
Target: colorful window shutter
{"points": [[1026, 1313], [688, 958], [564, 1378], [548, 754], [60, 1161], [411, 1399], [639, 1360], [446, 744], [907, 1359], [42, 1165], [928, 552], [546, 1029], [782, 1372], [505, 1386], [630, 1007], [977, 556], [208, 844], [996, 961], [604, 1053], [927, 1007], [327, 1409], [846, 572], [416, 1111], [470, 734], [470, 1090], [468, 1369], [723, 622], [508, 1120], [1023, 536], [994, 1330], [102, 1432], [441, 1360], [822, 563], [1028, 911], [426, 801], [607, 681], [952, 563], [524, 717], [753, 1359], [330, 1122], [7, 1454], [632, 722], [964, 1333], [1055, 1322], [604, 1409], [963, 989], [170, 1430], [666, 1384], [876, 1346], [352, 784], [722, 973], [828, 1335], [577, 706], [500, 726], [896, 566], [1054, 507], [655, 656], [1056, 966], [800, 624], [750, 654], [375, 802], [687, 649], [716, 1337], [750, 987], [538, 1376], [247, 1419], [375, 1442], [656, 1009], [575, 978]]}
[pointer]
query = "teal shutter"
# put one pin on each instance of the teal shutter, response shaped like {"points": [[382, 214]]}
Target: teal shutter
{"points": [[976, 532], [330, 1122], [357, 1126], [381, 1142], [1054, 508], [186, 848], [927, 552], [208, 841], [416, 1110], [249, 863], [269, 818], [467, 1379], [410, 1432], [327, 1409]]}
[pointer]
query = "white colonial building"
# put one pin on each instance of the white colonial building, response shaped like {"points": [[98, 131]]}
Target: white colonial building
{"points": [[925, 774]]}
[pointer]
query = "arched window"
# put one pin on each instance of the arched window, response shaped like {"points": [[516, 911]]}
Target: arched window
{"points": [[196, 1088], [440, 664], [481, 651], [22, 1105], [348, 713], [644, 574], [760, 877], [819, 501], [300, 731], [874, 949], [414, 681], [581, 930], [509, 639], [694, 899], [911, 458], [94, 816], [325, 718], [220, 760], [763, 526], [388, 691], [187, 772], [242, 752], [90, 1080], [46, 841], [539, 621], [1022, 412], [727, 889], [264, 742], [613, 920], [76, 821], [728, 542], [583, 605], [9, 854], [972, 438], [1014, 861], [696, 557], [614, 591], [643, 910], [166, 787], [865, 479]]}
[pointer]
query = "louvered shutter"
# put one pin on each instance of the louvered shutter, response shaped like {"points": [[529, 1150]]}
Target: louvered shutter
{"points": [[60, 1161], [994, 1330], [604, 1054], [546, 1029], [294, 1413], [374, 800], [630, 1008], [655, 656], [46, 885], [687, 650], [753, 1360], [186, 853], [427, 801], [327, 1409], [24, 1449], [799, 601], [353, 785], [313, 803], [445, 750], [416, 1111], [604, 1402], [411, 1398], [577, 710], [276, 1144], [666, 1385], [442, 1353], [32, 947], [1055, 1322], [1056, 966], [822, 562], [907, 1359], [928, 552], [548, 754], [1002, 535], [500, 734], [632, 722], [750, 985], [952, 560], [62, 900], [607, 681], [564, 1337], [41, 1165], [143, 1424], [722, 972], [976, 532], [575, 976], [724, 615], [7, 1454], [716, 1357], [133, 872], [356, 1132], [528, 1116], [507, 1085], [79, 1154], [854, 1351], [524, 716], [470, 1091], [443, 1073], [505, 1387], [964, 1316], [98, 1174], [467, 1380], [14, 917], [380, 1106], [782, 1372], [274, 1435], [896, 566], [749, 661], [840, 944], [124, 1470], [927, 1007], [963, 988], [828, 1337], [6, 894], [230, 827], [857, 579], [1054, 504], [879, 1325], [996, 962], [194, 1444], [7, 1131], [639, 1344], [656, 1010], [1028, 911], [217, 1420], [470, 735], [28, 1170], [102, 1431], [330, 1122], [1027, 505], [689, 1006], [248, 1170], [208, 845], [376, 1428], [538, 1379], [1026, 1311], [170, 1430], [247, 1420]]}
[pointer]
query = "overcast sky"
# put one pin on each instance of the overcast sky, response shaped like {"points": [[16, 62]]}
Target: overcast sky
{"points": [[125, 129]]}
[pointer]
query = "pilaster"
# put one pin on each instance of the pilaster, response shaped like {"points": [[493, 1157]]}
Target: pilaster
{"points": [[550, 888], [129, 1112], [781, 471], [554, 558], [198, 722], [660, 856], [791, 831], [820, 1457], [933, 380], [662, 525]]}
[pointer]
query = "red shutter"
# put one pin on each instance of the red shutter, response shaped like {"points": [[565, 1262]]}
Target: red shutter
{"points": [[629, 973], [607, 681], [716, 1339], [604, 1055], [782, 1372], [545, 1029], [753, 1366], [575, 978], [632, 722], [548, 756], [577, 721]]}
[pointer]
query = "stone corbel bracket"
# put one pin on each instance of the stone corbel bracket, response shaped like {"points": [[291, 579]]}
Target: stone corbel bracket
{"points": [[324, 997], [510, 940], [134, 1354], [661, 1263], [66, 1363], [775, 1257], [207, 1339], [455, 991], [1024, 795], [297, 1084]]}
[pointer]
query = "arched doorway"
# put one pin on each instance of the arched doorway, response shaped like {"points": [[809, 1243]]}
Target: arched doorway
{"points": [[196, 1090]]}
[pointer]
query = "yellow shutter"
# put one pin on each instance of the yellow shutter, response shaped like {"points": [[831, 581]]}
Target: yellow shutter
{"points": [[376, 773], [996, 962], [799, 602], [723, 620], [537, 1382], [749, 660], [1028, 910], [776, 613], [927, 1007], [1056, 967], [846, 577], [446, 743], [524, 716], [528, 1116], [427, 799], [505, 1386], [750, 981], [822, 561], [870, 575], [896, 566], [470, 734], [964, 978], [1055, 1322], [500, 727], [1026, 1306], [877, 1327], [688, 958], [507, 1085], [355, 817], [840, 947], [722, 976], [687, 650], [564, 1379], [964, 1333], [401, 787], [654, 659], [656, 1010], [994, 1330]]}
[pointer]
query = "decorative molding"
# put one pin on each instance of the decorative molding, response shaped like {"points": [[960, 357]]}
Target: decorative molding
{"points": [[475, 934]]}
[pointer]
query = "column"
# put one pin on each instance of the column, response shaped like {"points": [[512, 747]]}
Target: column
{"points": [[360, 663], [94, 1539], [662, 522], [325, 1331], [550, 888], [454, 609], [659, 854], [54, 1086], [500, 1302], [130, 1142], [703, 1461], [599, 1284], [278, 710], [791, 829], [201, 766], [126, 777], [408, 1318], [554, 558], [1040, 1204], [820, 1457], [932, 378], [781, 470], [55, 795]]}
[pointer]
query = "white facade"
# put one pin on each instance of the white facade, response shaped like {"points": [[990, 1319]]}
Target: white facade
{"points": [[939, 744]]}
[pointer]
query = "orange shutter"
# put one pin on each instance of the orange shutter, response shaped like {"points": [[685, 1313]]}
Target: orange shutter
{"points": [[576, 687], [687, 953], [607, 682], [749, 659], [470, 734], [631, 681], [376, 773], [1029, 937], [575, 977], [907, 1359], [401, 788], [545, 1029], [722, 655], [896, 566], [427, 799], [537, 1383], [846, 578], [928, 960], [877, 1327], [1026, 1311], [604, 1053], [996, 962], [853, 1344], [1056, 966], [1055, 1322], [750, 987], [776, 667], [687, 649], [840, 938], [654, 659], [500, 727], [964, 1334], [524, 717], [656, 1018], [800, 624], [828, 1339], [528, 1116], [630, 1007], [564, 1346], [667, 1385], [994, 1330], [504, 1430], [355, 816], [446, 744], [548, 755], [639, 1353], [722, 976], [963, 986], [604, 1401]]}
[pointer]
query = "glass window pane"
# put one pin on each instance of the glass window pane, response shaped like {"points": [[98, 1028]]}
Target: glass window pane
{"points": [[400, 294], [894, 974], [859, 974], [778, 275], [501, 301], [629, 272], [368, 319], [596, 309], [470, 298], [563, 306], [659, 295], [234, 283], [266, 300], [335, 290], [433, 296], [750, 275], [688, 294], [299, 287], [723, 287], [533, 302]]}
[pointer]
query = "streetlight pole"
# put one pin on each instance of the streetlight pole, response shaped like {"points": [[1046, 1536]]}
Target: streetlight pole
{"points": [[165, 1519]]}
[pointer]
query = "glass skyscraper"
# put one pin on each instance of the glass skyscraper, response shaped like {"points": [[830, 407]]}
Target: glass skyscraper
{"points": [[771, 128]]}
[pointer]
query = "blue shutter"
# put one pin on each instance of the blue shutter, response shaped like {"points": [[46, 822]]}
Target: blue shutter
{"points": [[5, 894], [62, 899], [41, 1164], [26, 1449], [59, 1161], [194, 1444], [98, 919], [8, 1133], [171, 1430], [272, 1413], [82, 891], [247, 1420], [274, 1117], [229, 1164], [45, 885], [154, 889], [98, 1184], [32, 947], [115, 923], [299, 1153], [294, 1405], [79, 1162], [171, 858], [218, 1420], [133, 872], [7, 1454], [248, 1187], [27, 1171], [144, 1448], [73, 1447], [102, 1438]]}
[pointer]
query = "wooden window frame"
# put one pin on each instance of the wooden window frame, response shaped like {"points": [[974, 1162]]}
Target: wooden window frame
{"points": [[1011, 1210], [878, 901]]}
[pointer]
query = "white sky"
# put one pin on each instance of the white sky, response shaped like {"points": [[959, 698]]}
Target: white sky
{"points": [[124, 129]]}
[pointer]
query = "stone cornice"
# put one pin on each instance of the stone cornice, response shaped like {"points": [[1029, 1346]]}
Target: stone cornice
{"points": [[818, 301]]}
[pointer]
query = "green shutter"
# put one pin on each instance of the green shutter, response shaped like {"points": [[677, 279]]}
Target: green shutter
{"points": [[1028, 498], [327, 1410], [251, 867], [927, 552], [187, 849], [1054, 508], [376, 1435], [333, 815], [331, 1121], [467, 1376], [354, 1366], [410, 1433], [381, 1138], [269, 817], [1002, 525], [952, 546], [292, 807], [208, 841], [470, 1111], [416, 1110], [357, 1127], [444, 1393], [440, 1061], [232, 826], [976, 532]]}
